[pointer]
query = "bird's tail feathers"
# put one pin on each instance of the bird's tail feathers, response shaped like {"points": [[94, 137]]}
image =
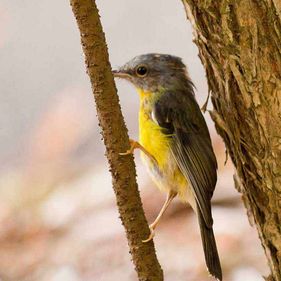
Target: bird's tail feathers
{"points": [[210, 248]]}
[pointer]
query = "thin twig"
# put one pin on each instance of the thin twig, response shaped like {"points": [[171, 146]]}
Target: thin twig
{"points": [[116, 140]]}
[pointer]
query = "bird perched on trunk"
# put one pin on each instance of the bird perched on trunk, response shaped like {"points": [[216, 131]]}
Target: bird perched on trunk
{"points": [[175, 141]]}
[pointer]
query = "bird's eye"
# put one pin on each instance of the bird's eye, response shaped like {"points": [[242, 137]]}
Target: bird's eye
{"points": [[141, 70]]}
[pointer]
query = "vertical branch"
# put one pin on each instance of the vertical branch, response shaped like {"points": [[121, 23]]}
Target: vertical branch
{"points": [[116, 140]]}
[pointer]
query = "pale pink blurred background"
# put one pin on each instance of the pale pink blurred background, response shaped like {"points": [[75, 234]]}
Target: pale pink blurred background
{"points": [[57, 212]]}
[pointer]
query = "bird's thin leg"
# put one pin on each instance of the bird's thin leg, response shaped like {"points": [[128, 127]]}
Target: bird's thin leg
{"points": [[134, 145], [171, 195]]}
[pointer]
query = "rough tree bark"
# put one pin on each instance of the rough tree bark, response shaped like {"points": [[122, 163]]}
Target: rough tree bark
{"points": [[240, 46], [116, 140]]}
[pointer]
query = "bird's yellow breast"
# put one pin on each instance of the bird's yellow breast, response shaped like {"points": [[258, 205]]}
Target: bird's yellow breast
{"points": [[150, 133], [167, 174], [151, 137]]}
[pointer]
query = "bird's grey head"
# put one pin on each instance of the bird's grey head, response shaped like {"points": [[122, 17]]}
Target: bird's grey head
{"points": [[154, 72]]}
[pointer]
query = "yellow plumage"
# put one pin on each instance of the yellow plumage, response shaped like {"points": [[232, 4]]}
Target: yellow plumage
{"points": [[151, 137], [166, 175]]}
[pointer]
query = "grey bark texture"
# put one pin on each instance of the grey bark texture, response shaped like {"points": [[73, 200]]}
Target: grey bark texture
{"points": [[116, 140], [240, 47]]}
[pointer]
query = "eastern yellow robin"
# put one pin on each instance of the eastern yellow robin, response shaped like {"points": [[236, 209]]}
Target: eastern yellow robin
{"points": [[175, 141]]}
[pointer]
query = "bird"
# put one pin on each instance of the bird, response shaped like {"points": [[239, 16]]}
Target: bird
{"points": [[174, 141]]}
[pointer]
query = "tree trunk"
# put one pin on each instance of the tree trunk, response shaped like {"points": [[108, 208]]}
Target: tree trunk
{"points": [[240, 47], [116, 140]]}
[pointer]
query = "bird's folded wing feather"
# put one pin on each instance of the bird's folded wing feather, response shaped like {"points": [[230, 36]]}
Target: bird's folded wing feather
{"points": [[179, 115]]}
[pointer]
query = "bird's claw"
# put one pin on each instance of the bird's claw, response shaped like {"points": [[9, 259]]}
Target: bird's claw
{"points": [[126, 153], [133, 145], [151, 235]]}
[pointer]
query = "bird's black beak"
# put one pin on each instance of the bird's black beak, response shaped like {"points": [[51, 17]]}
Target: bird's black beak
{"points": [[120, 74]]}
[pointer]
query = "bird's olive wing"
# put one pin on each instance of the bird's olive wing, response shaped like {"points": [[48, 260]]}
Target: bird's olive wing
{"points": [[180, 117]]}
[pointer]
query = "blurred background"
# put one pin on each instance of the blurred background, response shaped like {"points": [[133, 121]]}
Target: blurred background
{"points": [[58, 219]]}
